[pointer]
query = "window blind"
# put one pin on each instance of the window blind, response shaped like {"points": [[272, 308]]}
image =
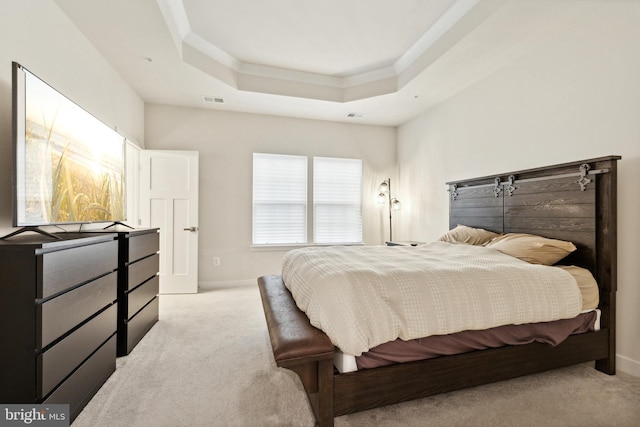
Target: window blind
{"points": [[279, 199], [337, 200]]}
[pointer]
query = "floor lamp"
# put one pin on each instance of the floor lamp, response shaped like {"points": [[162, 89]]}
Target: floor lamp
{"points": [[384, 196]]}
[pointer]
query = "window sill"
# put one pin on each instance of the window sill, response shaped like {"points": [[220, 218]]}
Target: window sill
{"points": [[291, 246]]}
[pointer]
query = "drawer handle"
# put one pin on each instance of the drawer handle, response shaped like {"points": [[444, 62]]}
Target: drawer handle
{"points": [[191, 229]]}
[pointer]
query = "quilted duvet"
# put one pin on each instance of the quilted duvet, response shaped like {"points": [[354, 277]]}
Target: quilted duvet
{"points": [[363, 296]]}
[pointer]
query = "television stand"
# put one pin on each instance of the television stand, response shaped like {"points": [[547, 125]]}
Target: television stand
{"points": [[116, 223], [33, 229], [59, 298]]}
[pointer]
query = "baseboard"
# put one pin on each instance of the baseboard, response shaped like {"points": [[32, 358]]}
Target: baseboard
{"points": [[628, 366], [227, 284]]}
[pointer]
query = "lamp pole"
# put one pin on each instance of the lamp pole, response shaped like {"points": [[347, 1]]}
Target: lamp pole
{"points": [[389, 199]]}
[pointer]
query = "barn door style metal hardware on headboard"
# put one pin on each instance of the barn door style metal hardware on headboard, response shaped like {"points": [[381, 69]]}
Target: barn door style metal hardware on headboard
{"points": [[497, 187], [510, 188], [585, 172], [583, 181], [452, 191]]}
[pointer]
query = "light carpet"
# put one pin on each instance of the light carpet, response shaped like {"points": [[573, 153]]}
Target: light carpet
{"points": [[208, 362]]}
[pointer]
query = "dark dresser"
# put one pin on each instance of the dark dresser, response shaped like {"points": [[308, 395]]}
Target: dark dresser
{"points": [[138, 280], [58, 311]]}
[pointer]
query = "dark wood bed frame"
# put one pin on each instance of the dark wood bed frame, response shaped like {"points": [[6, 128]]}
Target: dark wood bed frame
{"points": [[573, 201]]}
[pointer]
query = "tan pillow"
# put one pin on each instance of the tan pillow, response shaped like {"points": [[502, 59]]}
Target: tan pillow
{"points": [[531, 248], [587, 284], [469, 235]]}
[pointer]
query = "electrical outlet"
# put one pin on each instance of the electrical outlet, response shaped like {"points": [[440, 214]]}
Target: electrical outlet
{"points": [[216, 260]]}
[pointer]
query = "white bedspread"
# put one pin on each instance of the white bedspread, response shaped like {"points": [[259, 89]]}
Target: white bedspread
{"points": [[365, 296]]}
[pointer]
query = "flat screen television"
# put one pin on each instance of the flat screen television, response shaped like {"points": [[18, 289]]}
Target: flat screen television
{"points": [[69, 166]]}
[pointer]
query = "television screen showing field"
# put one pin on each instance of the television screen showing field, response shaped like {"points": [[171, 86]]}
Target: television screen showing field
{"points": [[73, 163]]}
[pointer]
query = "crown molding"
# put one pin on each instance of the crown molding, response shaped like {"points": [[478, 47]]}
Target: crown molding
{"points": [[211, 59]]}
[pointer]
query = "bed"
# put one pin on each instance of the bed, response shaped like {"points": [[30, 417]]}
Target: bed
{"points": [[574, 202]]}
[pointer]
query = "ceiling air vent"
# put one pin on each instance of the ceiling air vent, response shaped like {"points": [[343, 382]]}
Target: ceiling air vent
{"points": [[355, 115], [213, 99]]}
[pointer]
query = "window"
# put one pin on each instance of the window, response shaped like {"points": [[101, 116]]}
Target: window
{"points": [[279, 199], [280, 214], [337, 200]]}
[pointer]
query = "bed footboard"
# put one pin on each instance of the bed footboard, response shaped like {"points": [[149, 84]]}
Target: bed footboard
{"points": [[298, 346]]}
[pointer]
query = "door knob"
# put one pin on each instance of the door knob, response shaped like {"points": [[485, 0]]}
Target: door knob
{"points": [[191, 229]]}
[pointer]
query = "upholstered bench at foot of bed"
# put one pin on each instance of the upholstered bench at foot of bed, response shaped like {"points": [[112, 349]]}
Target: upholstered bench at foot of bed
{"points": [[299, 346]]}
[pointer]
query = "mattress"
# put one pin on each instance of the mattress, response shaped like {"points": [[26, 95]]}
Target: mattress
{"points": [[399, 351]]}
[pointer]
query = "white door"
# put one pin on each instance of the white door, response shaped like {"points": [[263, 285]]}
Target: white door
{"points": [[169, 201]]}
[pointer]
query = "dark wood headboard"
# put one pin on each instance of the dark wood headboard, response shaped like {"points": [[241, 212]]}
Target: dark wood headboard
{"points": [[571, 201], [553, 201]]}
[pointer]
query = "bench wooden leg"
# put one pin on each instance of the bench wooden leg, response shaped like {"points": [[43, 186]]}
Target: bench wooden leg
{"points": [[325, 393], [317, 379]]}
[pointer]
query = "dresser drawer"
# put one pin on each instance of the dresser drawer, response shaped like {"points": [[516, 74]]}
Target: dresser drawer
{"points": [[142, 270], [80, 387], [62, 313], [61, 270], [143, 245], [61, 359], [141, 323], [141, 295]]}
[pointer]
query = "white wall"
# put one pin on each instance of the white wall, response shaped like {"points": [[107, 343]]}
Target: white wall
{"points": [[36, 34], [226, 142], [575, 98]]}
